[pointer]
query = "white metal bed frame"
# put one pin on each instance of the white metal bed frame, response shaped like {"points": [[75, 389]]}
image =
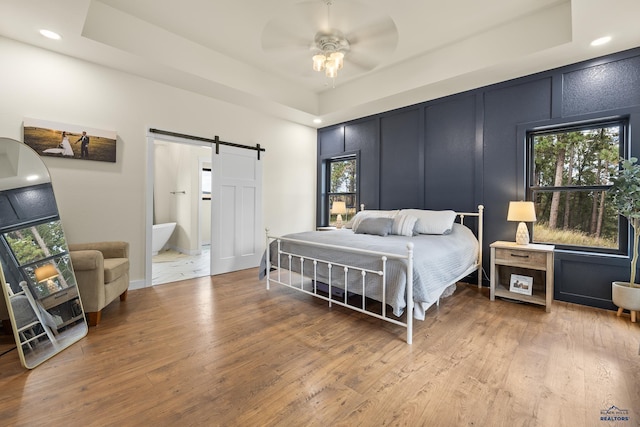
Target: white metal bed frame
{"points": [[384, 257]]}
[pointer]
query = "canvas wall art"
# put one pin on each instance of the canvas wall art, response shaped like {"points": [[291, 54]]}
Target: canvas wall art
{"points": [[69, 141]]}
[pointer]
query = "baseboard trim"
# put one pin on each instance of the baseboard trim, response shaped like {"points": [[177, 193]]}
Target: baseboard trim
{"points": [[137, 284]]}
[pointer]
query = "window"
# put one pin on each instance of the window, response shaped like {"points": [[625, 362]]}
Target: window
{"points": [[206, 183], [342, 185], [36, 246], [569, 175]]}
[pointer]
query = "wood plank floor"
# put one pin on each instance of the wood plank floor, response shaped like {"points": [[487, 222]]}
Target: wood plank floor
{"points": [[225, 351]]}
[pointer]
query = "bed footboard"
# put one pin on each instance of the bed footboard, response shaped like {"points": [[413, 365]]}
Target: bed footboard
{"points": [[322, 274], [301, 273]]}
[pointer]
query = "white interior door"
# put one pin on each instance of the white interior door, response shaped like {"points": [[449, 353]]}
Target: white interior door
{"points": [[236, 197]]}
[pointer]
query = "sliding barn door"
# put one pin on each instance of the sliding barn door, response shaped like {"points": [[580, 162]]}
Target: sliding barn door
{"points": [[236, 220]]}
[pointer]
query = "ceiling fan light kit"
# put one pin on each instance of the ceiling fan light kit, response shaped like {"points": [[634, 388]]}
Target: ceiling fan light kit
{"points": [[360, 35], [330, 48]]}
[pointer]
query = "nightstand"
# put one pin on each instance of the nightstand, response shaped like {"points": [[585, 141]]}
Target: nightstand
{"points": [[533, 260]]}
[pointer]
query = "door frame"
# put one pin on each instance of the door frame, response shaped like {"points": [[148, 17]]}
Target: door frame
{"points": [[151, 139], [201, 166]]}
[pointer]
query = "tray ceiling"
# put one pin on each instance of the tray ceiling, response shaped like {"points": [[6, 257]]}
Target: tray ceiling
{"points": [[258, 54]]}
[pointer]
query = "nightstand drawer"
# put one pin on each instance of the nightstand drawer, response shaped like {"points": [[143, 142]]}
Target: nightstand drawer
{"points": [[59, 297], [530, 259]]}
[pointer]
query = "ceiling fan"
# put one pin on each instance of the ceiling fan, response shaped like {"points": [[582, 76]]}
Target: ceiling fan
{"points": [[331, 32]]}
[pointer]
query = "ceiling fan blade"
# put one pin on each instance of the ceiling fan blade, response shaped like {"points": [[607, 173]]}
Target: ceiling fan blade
{"points": [[297, 67], [283, 38], [360, 60], [383, 32], [294, 26]]}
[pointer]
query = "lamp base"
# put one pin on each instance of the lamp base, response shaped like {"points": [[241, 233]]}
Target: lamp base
{"points": [[339, 221], [522, 234]]}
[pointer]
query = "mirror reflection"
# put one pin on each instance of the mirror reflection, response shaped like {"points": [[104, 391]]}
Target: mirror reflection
{"points": [[41, 299]]}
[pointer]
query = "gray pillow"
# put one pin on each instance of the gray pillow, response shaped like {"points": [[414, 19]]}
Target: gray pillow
{"points": [[376, 226]]}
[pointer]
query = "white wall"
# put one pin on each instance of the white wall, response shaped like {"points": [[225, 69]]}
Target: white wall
{"points": [[106, 201], [185, 239], [177, 192], [164, 183]]}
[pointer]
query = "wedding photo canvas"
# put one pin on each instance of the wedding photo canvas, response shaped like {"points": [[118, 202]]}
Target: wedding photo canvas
{"points": [[69, 141]]}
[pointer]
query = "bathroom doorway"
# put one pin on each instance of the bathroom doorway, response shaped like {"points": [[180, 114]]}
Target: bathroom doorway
{"points": [[236, 232], [181, 232]]}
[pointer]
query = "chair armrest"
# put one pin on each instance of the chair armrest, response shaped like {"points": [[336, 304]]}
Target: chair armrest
{"points": [[88, 267], [87, 259], [114, 249]]}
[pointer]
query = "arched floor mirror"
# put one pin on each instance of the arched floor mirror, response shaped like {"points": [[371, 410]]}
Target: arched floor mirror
{"points": [[39, 290]]}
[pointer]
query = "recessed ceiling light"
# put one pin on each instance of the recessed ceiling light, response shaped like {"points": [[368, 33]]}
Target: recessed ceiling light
{"points": [[50, 34], [317, 121], [601, 41]]}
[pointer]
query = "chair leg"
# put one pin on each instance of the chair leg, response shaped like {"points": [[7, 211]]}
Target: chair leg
{"points": [[93, 318], [633, 316], [123, 296], [6, 327], [620, 310]]}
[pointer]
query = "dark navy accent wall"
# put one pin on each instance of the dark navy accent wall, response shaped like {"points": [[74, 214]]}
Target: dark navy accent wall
{"points": [[450, 158], [401, 182], [332, 145], [602, 87], [332, 141], [362, 138], [468, 149], [504, 161]]}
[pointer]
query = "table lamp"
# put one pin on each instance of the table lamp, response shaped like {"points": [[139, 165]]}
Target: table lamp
{"points": [[339, 208], [47, 273], [522, 212]]}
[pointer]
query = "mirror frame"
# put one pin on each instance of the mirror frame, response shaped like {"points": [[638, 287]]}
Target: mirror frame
{"points": [[22, 168]]}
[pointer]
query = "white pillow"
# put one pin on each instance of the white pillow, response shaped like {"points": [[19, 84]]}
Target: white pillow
{"points": [[432, 222], [369, 214], [403, 225]]}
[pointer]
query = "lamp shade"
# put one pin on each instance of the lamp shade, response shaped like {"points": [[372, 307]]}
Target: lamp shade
{"points": [[339, 208], [45, 272], [521, 211], [318, 62]]}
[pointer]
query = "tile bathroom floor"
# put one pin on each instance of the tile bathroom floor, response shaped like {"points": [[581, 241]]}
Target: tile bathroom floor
{"points": [[172, 266]]}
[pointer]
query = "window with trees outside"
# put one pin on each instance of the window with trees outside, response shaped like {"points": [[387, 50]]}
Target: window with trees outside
{"points": [[569, 175], [342, 185]]}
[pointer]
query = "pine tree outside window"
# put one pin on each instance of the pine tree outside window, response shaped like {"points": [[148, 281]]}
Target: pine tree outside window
{"points": [[569, 175], [342, 185]]}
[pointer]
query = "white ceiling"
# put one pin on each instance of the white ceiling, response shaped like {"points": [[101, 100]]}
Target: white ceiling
{"points": [[256, 53]]}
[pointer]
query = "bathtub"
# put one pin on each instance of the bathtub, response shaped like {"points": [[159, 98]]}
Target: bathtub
{"points": [[161, 235]]}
